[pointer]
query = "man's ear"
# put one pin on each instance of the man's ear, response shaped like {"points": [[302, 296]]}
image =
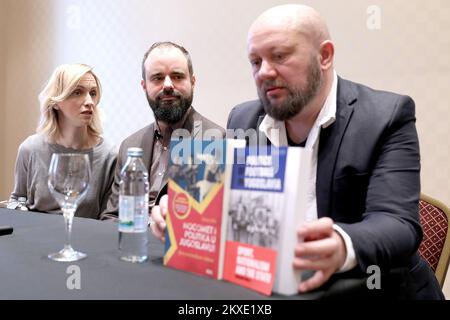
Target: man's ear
{"points": [[193, 81], [326, 54], [143, 85]]}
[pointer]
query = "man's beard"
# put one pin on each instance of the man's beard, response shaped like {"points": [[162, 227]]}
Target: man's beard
{"points": [[171, 111], [297, 98]]}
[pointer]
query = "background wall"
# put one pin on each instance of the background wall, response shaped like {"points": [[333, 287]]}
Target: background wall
{"points": [[395, 45], [3, 167], [29, 37]]}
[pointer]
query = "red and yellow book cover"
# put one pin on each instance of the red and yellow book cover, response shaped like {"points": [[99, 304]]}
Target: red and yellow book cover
{"points": [[194, 221]]}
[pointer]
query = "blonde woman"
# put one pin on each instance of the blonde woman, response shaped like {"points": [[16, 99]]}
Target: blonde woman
{"points": [[69, 123]]}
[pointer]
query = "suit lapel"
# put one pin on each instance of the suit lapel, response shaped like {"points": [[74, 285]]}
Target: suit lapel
{"points": [[193, 124], [329, 144], [260, 119], [261, 137], [147, 145], [197, 130]]}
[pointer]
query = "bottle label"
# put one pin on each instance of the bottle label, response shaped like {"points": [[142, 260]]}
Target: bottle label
{"points": [[133, 213]]}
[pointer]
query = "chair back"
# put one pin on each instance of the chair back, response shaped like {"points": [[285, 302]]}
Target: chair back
{"points": [[435, 245]]}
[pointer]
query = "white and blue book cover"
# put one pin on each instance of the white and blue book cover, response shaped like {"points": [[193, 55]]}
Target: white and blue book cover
{"points": [[255, 212], [267, 202]]}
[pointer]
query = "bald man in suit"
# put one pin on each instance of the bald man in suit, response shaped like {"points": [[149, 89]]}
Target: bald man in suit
{"points": [[366, 156]]}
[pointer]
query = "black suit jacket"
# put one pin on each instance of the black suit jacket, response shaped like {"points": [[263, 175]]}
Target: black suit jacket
{"points": [[368, 180]]}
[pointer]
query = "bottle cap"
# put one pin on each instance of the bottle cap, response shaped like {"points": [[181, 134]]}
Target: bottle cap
{"points": [[135, 152]]}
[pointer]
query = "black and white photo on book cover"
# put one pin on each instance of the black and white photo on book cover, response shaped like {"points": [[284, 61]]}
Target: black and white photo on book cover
{"points": [[254, 218]]}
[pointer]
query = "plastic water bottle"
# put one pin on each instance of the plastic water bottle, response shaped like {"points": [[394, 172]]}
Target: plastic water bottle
{"points": [[133, 208]]}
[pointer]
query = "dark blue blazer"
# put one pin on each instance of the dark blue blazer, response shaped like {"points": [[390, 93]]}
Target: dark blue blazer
{"points": [[368, 181]]}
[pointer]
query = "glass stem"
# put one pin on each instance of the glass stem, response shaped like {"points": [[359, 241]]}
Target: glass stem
{"points": [[68, 218]]}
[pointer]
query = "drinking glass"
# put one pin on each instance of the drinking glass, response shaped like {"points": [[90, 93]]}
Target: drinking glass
{"points": [[68, 182]]}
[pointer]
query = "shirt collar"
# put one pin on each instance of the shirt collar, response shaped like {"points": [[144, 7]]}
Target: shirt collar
{"points": [[275, 130], [328, 113]]}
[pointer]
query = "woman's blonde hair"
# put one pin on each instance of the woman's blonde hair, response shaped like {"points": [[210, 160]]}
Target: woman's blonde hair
{"points": [[59, 87]]}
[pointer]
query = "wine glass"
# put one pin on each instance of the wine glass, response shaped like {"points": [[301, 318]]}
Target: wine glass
{"points": [[68, 181]]}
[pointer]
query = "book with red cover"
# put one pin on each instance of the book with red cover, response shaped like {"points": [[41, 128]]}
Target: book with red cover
{"points": [[196, 223]]}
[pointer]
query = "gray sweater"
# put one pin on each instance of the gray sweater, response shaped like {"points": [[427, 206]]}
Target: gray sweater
{"points": [[31, 175]]}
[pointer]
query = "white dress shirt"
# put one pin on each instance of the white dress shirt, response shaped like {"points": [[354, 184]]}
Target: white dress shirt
{"points": [[275, 131]]}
